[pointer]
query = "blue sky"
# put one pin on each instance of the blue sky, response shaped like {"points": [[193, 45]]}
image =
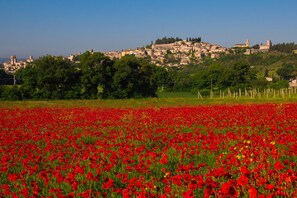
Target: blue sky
{"points": [[62, 27]]}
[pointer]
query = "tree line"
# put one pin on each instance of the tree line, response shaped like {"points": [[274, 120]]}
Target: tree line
{"points": [[96, 76], [166, 40], [194, 40], [216, 77], [169, 40], [284, 47]]}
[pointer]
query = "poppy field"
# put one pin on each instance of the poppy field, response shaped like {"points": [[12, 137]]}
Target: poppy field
{"points": [[240, 150]]}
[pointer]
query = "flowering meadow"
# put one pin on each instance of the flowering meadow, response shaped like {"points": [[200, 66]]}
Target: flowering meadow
{"points": [[243, 150]]}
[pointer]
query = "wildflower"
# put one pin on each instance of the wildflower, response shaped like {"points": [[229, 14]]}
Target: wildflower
{"points": [[108, 184], [225, 188], [242, 180], [245, 171], [269, 186], [167, 189], [240, 156], [12, 177], [278, 166], [188, 194], [253, 192], [228, 190]]}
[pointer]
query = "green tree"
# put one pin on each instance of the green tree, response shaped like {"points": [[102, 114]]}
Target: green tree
{"points": [[178, 80], [284, 47], [133, 77], [50, 78], [257, 46], [242, 75], [10, 92], [287, 72], [5, 79], [97, 72], [217, 76], [166, 40], [162, 77], [28, 77], [279, 84], [266, 73]]}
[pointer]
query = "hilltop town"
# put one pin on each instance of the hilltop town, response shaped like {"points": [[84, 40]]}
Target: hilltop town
{"points": [[14, 64], [177, 53], [174, 54]]}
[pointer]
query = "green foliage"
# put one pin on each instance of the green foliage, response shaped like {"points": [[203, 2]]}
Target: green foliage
{"points": [[170, 58], [185, 95], [287, 72], [51, 78], [257, 46], [161, 76], [128, 77], [87, 140], [97, 76], [133, 77], [231, 71], [260, 83], [96, 70], [194, 40], [10, 93], [203, 92], [279, 84], [239, 75], [284, 47], [166, 40], [5, 79], [178, 80]]}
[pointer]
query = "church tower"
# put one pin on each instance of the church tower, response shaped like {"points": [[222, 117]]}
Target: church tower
{"points": [[247, 43], [269, 44], [13, 60]]}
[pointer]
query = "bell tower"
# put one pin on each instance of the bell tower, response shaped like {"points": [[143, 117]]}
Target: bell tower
{"points": [[247, 43], [269, 44], [13, 60]]}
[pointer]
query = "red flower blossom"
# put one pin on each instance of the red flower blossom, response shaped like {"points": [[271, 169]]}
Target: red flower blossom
{"points": [[269, 186], [242, 181], [149, 152], [228, 190], [107, 184], [12, 177], [245, 171], [278, 166], [188, 194], [253, 192]]}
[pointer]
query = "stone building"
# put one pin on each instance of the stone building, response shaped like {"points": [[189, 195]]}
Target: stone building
{"points": [[245, 45], [266, 47], [14, 64]]}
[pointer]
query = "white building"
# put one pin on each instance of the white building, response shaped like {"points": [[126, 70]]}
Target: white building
{"points": [[266, 47], [14, 64]]}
